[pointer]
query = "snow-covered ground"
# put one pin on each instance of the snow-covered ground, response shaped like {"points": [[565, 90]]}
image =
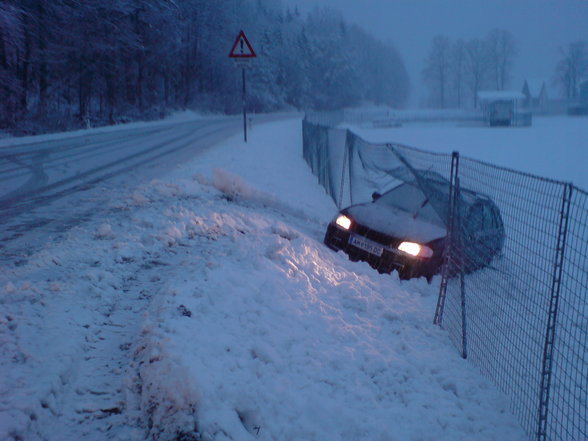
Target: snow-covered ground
{"points": [[553, 147], [203, 305]]}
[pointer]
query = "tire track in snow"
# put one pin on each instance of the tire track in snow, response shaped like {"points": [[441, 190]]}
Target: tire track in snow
{"points": [[92, 404]]}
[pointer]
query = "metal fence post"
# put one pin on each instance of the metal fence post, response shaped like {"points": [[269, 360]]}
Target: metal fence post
{"points": [[458, 240], [552, 318], [343, 171], [438, 319], [464, 335]]}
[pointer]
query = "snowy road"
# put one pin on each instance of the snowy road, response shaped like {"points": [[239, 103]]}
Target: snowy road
{"points": [[36, 172], [61, 180]]}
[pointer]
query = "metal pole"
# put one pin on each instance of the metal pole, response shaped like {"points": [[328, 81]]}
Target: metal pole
{"points": [[460, 260], [244, 106], [448, 258], [549, 345]]}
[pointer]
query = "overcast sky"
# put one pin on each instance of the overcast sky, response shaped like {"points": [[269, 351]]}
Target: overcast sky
{"points": [[541, 27]]}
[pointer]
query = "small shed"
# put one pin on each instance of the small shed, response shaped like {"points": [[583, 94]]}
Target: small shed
{"points": [[503, 108], [536, 99]]}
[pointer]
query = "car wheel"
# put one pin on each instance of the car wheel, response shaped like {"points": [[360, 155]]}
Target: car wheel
{"points": [[353, 257], [383, 269], [405, 273], [327, 242]]}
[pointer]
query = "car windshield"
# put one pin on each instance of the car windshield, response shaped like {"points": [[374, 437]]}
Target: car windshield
{"points": [[411, 199]]}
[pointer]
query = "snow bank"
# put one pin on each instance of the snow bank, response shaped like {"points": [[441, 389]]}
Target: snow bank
{"points": [[286, 340], [278, 337], [228, 320]]}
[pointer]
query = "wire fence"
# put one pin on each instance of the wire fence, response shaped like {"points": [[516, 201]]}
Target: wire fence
{"points": [[522, 316]]}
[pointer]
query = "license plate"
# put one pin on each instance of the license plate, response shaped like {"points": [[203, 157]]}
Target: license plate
{"points": [[366, 245]]}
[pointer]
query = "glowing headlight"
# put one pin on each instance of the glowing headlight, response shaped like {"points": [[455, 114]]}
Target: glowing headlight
{"points": [[414, 249], [343, 221]]}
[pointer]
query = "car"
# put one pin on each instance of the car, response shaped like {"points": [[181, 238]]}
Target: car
{"points": [[406, 229]]}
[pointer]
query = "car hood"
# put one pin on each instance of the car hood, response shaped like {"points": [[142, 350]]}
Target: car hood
{"points": [[395, 222]]}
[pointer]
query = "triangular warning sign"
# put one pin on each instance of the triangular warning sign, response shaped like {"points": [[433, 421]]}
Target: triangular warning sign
{"points": [[242, 48]]}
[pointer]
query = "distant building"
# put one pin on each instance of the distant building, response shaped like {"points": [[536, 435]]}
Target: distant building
{"points": [[503, 108], [536, 99]]}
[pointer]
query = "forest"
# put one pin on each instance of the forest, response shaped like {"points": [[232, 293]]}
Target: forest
{"points": [[76, 63]]}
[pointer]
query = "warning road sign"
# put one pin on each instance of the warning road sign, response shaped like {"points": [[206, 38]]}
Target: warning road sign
{"points": [[242, 48]]}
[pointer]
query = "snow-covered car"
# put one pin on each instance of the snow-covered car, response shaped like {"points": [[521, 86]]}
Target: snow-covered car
{"points": [[405, 229]]}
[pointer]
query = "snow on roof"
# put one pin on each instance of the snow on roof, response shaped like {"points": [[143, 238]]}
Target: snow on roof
{"points": [[495, 95]]}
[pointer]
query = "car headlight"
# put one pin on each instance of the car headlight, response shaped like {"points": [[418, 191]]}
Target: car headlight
{"points": [[415, 249], [343, 221]]}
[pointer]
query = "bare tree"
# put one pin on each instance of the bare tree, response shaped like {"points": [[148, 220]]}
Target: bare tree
{"points": [[437, 69], [476, 66], [502, 50], [458, 66], [572, 67]]}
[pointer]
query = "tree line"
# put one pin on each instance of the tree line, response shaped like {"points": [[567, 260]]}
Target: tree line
{"points": [[455, 71], [66, 63], [571, 71]]}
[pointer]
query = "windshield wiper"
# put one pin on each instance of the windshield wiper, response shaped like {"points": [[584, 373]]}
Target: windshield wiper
{"points": [[425, 202]]}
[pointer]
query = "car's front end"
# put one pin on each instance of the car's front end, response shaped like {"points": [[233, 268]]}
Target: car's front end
{"points": [[385, 252]]}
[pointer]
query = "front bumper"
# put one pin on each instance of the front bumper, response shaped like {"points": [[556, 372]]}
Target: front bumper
{"points": [[391, 259]]}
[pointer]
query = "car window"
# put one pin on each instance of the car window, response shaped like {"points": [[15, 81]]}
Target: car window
{"points": [[410, 198], [489, 217], [475, 219]]}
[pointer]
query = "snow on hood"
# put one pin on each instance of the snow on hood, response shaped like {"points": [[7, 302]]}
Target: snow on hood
{"points": [[395, 222]]}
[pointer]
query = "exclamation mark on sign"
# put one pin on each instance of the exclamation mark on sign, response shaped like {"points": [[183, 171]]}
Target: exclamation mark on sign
{"points": [[242, 42]]}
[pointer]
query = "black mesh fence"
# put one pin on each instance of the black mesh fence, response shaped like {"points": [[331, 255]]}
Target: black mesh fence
{"points": [[351, 169], [498, 315], [513, 295]]}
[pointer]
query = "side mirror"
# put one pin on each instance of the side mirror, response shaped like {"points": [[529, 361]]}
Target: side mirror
{"points": [[376, 196]]}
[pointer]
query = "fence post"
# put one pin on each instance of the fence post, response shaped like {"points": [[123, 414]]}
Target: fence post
{"points": [[458, 240], [552, 318], [344, 170], [438, 319], [461, 251]]}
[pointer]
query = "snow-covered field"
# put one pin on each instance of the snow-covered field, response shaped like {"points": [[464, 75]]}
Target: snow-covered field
{"points": [[204, 305], [553, 147]]}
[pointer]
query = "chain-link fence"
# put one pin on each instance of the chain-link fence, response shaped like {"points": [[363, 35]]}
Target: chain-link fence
{"points": [[519, 314]]}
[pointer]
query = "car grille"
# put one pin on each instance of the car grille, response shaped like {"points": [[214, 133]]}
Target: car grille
{"points": [[376, 236]]}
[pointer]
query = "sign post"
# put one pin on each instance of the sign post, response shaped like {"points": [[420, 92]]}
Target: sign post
{"points": [[241, 53]]}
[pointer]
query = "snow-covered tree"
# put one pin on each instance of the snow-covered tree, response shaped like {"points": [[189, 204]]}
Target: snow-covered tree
{"points": [[69, 62], [11, 46]]}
